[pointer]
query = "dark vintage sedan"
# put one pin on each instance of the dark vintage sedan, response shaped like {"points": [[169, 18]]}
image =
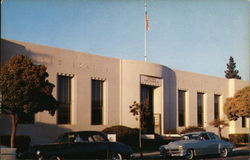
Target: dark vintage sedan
{"points": [[80, 145], [196, 144]]}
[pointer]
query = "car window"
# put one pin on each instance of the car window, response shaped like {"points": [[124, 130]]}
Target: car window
{"points": [[62, 139], [90, 139], [205, 137], [191, 136], [98, 138], [79, 139], [213, 136], [71, 138], [66, 138]]}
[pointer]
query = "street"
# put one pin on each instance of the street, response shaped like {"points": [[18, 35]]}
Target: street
{"points": [[236, 155]]}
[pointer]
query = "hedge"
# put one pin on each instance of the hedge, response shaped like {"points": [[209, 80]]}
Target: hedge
{"points": [[239, 138], [126, 135], [192, 129], [22, 142]]}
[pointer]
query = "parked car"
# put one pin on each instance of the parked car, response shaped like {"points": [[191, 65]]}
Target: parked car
{"points": [[80, 145], [196, 144]]}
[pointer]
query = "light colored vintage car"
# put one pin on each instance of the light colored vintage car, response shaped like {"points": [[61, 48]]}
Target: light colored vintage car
{"points": [[196, 144]]}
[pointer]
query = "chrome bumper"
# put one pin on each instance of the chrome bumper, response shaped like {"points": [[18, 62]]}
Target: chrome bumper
{"points": [[175, 152]]}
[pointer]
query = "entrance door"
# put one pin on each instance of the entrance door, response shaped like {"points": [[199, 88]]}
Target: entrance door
{"points": [[147, 97]]}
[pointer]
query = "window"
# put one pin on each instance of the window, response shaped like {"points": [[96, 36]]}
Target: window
{"points": [[243, 122], [97, 103], [181, 107], [26, 118], [213, 136], [64, 98], [98, 138], [200, 105], [205, 137], [216, 106]]}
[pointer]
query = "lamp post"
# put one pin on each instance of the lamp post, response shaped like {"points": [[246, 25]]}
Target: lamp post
{"points": [[0, 104], [140, 142]]}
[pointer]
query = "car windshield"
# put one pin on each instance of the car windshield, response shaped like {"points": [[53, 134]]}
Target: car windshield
{"points": [[191, 136]]}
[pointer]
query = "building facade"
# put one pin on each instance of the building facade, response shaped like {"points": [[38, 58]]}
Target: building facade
{"points": [[95, 92]]}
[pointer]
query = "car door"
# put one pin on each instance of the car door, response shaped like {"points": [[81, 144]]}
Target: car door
{"points": [[211, 143], [207, 145], [216, 142], [90, 146], [100, 146], [68, 147], [83, 150]]}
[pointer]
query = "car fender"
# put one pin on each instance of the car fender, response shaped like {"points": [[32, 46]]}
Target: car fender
{"points": [[228, 146]]}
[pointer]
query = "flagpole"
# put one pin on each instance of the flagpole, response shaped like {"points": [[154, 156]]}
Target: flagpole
{"points": [[145, 31]]}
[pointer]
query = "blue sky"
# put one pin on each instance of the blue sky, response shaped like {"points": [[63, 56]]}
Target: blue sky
{"points": [[192, 35]]}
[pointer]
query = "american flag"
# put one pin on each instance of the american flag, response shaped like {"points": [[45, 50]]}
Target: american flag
{"points": [[146, 21]]}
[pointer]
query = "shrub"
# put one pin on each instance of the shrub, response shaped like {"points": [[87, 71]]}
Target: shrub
{"points": [[172, 131], [239, 138], [126, 135], [192, 129], [22, 142], [225, 139]]}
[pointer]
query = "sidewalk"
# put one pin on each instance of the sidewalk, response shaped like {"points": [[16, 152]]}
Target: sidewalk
{"points": [[243, 148], [147, 153]]}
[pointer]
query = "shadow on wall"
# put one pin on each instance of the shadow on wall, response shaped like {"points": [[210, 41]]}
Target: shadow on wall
{"points": [[13, 49], [40, 133], [170, 100]]}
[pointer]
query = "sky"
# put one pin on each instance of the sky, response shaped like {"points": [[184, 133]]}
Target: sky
{"points": [[191, 35]]}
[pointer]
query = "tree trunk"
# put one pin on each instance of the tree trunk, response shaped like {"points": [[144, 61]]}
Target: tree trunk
{"points": [[220, 132], [13, 131]]}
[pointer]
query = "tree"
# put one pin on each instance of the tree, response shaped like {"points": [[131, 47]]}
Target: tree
{"points": [[220, 124], [141, 110], [231, 71], [25, 89], [239, 105]]}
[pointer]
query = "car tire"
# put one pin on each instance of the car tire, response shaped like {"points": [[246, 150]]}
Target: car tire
{"points": [[116, 156], [223, 152], [190, 154]]}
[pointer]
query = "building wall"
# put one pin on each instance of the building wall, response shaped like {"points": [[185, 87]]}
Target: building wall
{"points": [[122, 86], [135, 73], [193, 83], [82, 68]]}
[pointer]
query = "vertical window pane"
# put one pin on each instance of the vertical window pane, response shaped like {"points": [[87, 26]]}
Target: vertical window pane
{"points": [[181, 107], [216, 106], [200, 105], [243, 122], [97, 103], [64, 98]]}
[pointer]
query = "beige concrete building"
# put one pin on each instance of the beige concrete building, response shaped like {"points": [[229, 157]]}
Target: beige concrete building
{"points": [[95, 92]]}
